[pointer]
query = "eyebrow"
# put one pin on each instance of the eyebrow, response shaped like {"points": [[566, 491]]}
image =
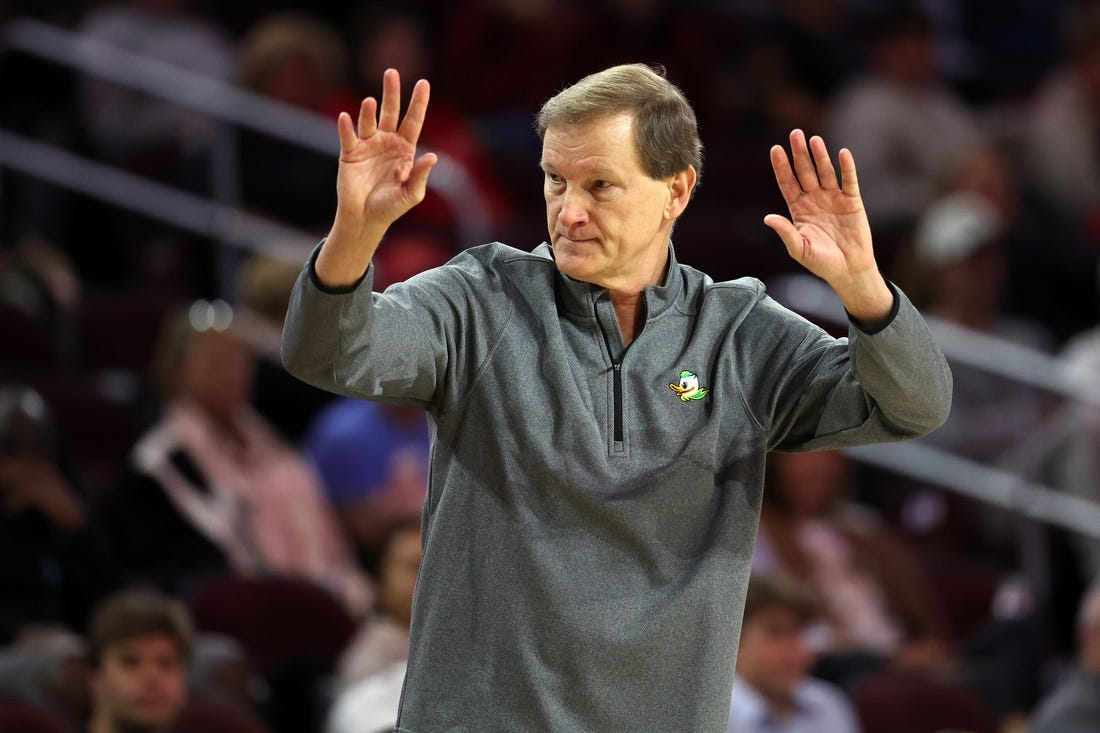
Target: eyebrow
{"points": [[597, 172]]}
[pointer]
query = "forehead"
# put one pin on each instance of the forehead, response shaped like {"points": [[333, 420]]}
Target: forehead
{"points": [[606, 141], [159, 644]]}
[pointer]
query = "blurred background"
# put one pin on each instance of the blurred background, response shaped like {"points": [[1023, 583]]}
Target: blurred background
{"points": [[167, 165]]}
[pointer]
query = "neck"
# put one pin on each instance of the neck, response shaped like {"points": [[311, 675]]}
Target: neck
{"points": [[629, 303], [780, 705], [225, 421], [630, 313]]}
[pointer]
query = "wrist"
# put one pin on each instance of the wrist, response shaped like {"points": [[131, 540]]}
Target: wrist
{"points": [[347, 252], [867, 299]]}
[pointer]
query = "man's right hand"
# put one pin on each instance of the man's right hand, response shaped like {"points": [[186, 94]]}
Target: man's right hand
{"points": [[379, 179]]}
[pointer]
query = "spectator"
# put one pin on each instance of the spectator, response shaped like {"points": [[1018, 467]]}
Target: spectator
{"points": [[374, 462], [263, 285], [773, 691], [962, 245], [221, 672], [876, 605], [879, 608], [373, 666], [1062, 130], [1052, 276], [1074, 705], [47, 667], [498, 60], [212, 485], [139, 643], [125, 124], [296, 59], [384, 639], [53, 568], [903, 124], [958, 241], [469, 203]]}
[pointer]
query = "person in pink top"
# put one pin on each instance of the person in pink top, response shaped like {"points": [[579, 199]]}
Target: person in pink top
{"points": [[213, 486]]}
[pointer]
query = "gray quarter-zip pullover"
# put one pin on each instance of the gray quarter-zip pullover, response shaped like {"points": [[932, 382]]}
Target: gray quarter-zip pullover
{"points": [[592, 509]]}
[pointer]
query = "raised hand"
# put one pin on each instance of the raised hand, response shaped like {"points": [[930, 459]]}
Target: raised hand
{"points": [[379, 179], [827, 232]]}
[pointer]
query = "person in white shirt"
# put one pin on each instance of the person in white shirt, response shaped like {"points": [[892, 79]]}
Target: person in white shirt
{"points": [[772, 690]]}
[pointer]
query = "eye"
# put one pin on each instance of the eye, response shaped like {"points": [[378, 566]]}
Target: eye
{"points": [[553, 178], [601, 184]]}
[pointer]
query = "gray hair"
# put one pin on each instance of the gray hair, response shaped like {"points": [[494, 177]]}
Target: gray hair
{"points": [[666, 133]]}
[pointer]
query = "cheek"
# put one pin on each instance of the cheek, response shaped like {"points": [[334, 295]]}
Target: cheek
{"points": [[177, 683], [114, 685]]}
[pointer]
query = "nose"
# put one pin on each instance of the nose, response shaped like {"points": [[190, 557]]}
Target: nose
{"points": [[574, 209]]}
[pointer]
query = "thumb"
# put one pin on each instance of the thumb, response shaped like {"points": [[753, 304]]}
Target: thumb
{"points": [[418, 176], [782, 226]]}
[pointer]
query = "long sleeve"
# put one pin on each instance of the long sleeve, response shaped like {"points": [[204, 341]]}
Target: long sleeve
{"points": [[407, 345], [823, 392]]}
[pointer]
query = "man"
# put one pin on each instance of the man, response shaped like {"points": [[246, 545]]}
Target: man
{"points": [[599, 412], [139, 643], [773, 691], [1074, 706]]}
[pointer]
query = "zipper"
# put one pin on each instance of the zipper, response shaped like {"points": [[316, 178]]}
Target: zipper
{"points": [[617, 370]]}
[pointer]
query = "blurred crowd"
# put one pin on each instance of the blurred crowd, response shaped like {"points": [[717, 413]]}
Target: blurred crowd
{"points": [[189, 537]]}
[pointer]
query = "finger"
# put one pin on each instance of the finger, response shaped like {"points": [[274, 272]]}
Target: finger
{"points": [[418, 109], [789, 235], [782, 226], [368, 122], [848, 172], [391, 101], [418, 177], [348, 139], [803, 165], [784, 176], [826, 174]]}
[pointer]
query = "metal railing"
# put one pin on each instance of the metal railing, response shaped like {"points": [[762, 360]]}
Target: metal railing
{"points": [[221, 101], [1005, 486]]}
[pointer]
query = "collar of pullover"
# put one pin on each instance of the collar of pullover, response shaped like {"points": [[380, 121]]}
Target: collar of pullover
{"points": [[579, 298]]}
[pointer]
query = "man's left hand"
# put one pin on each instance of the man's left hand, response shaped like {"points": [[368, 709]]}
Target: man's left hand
{"points": [[828, 232]]}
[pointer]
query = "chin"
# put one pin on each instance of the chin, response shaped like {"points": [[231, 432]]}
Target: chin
{"points": [[576, 267]]}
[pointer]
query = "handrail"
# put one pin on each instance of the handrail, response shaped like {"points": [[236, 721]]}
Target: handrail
{"points": [[224, 101], [1003, 486], [155, 200], [810, 296]]}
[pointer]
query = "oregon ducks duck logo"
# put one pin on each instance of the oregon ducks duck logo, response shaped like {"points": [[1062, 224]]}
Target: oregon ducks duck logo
{"points": [[688, 388]]}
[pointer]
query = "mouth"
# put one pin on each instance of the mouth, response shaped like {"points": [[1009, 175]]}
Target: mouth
{"points": [[575, 240]]}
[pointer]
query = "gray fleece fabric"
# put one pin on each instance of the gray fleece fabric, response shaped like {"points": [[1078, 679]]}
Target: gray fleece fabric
{"points": [[591, 510]]}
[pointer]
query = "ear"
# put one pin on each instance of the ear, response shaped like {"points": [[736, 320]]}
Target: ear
{"points": [[680, 187]]}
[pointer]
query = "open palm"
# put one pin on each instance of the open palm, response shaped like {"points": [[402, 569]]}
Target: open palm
{"points": [[827, 232]]}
